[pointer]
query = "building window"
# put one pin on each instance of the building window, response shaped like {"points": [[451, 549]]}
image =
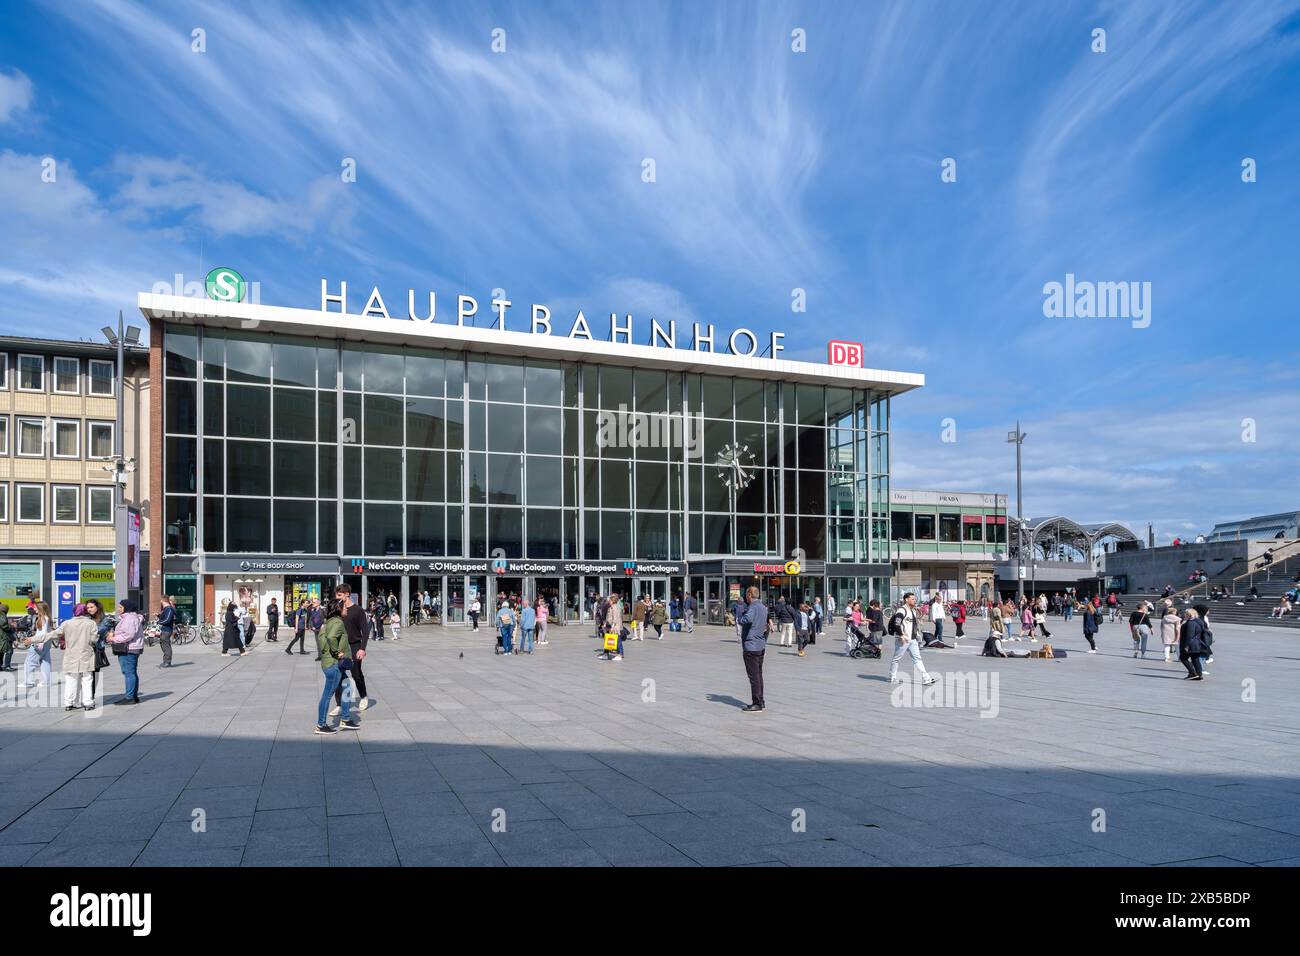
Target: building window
{"points": [[901, 525], [4, 502], [31, 504], [31, 373], [99, 439], [4, 370], [925, 527], [972, 529], [949, 528], [31, 437], [67, 376], [67, 439], [4, 434], [99, 505], [67, 504], [101, 377]]}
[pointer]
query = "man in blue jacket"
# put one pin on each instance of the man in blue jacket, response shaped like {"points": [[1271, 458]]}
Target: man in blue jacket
{"points": [[752, 620]]}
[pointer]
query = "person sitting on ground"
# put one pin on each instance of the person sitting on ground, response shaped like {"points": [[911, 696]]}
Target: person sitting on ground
{"points": [[1283, 608], [993, 645]]}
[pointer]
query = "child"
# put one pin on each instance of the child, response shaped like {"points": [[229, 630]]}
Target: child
{"points": [[395, 622]]}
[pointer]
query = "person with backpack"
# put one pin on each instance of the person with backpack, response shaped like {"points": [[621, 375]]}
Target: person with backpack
{"points": [[1091, 612], [959, 618], [905, 626], [298, 621], [506, 625]]}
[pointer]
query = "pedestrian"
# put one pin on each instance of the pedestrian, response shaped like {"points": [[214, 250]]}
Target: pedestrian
{"points": [[959, 619], [335, 649], [316, 620], [103, 624], [1112, 606], [830, 609], [506, 624], [803, 627], [127, 641], [298, 621], [658, 617], [1170, 625], [1040, 619], [78, 663], [354, 625], [474, 610], [395, 625], [1139, 624], [612, 623], [937, 614], [1090, 615], [691, 607], [753, 645], [784, 616], [1067, 607], [905, 625], [6, 640], [875, 618], [639, 611], [231, 639], [543, 621], [1192, 648], [41, 648], [1027, 622], [527, 627], [166, 626], [852, 625], [273, 622]]}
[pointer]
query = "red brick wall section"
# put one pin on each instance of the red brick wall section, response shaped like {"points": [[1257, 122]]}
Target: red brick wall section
{"points": [[157, 510]]}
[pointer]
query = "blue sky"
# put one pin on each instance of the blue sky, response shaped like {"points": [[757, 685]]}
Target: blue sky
{"points": [[775, 170]]}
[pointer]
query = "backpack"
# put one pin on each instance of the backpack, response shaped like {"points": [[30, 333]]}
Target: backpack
{"points": [[896, 624]]}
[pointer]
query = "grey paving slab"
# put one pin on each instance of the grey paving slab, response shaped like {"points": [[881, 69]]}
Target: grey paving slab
{"points": [[588, 772]]}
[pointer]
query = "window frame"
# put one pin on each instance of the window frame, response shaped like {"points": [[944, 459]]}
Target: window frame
{"points": [[18, 446], [54, 367], [4, 502], [19, 383], [4, 434], [18, 498], [4, 371], [90, 378], [76, 444], [54, 508], [91, 425], [90, 511]]}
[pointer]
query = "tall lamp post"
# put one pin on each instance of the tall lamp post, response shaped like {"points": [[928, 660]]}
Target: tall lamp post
{"points": [[121, 466], [1018, 438]]}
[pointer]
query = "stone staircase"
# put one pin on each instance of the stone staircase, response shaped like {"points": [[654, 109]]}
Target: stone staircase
{"points": [[1238, 608]]}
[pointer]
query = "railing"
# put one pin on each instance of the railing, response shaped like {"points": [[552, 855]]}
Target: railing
{"points": [[1274, 567], [1188, 592]]}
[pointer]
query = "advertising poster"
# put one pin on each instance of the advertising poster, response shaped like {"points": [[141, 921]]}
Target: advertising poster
{"points": [[19, 581], [97, 583]]}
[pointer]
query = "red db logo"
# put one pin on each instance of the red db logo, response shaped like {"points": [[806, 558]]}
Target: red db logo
{"points": [[846, 353]]}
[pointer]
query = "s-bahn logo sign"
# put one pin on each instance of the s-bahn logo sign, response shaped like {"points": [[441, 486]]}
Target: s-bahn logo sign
{"points": [[225, 285], [700, 338]]}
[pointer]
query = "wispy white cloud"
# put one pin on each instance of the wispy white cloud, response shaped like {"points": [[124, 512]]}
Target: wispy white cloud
{"points": [[16, 94]]}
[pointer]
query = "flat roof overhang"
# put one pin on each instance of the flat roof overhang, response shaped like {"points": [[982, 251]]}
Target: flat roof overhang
{"points": [[352, 327]]}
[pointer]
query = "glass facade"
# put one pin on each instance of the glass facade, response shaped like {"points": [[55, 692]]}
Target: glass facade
{"points": [[283, 445]]}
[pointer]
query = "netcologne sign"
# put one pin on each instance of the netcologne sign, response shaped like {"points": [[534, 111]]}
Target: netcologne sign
{"points": [[704, 338]]}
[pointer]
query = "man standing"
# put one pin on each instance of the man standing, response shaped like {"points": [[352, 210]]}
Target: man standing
{"points": [[690, 608], [830, 609], [272, 620], [753, 642], [316, 620], [785, 620], [906, 628], [354, 622]]}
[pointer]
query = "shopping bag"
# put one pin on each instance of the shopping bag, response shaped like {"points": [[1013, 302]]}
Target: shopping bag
{"points": [[611, 641]]}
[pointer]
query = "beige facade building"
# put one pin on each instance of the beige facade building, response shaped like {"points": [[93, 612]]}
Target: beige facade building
{"points": [[58, 422]]}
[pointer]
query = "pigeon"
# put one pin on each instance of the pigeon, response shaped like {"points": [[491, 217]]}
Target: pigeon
{"points": [[462, 655]]}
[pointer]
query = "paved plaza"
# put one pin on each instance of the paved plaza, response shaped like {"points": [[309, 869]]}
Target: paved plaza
{"points": [[466, 758]]}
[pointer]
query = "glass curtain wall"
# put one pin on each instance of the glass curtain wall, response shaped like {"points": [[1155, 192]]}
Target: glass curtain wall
{"points": [[436, 453]]}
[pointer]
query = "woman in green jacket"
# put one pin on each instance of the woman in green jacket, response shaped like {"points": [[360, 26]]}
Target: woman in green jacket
{"points": [[335, 660]]}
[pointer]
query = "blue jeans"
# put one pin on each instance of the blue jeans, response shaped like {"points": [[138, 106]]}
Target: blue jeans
{"points": [[507, 634], [938, 630], [332, 677], [39, 659], [129, 664], [527, 646], [1069, 611]]}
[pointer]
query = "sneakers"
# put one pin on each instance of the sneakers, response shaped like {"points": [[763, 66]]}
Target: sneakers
{"points": [[350, 724], [752, 709], [325, 729], [335, 710], [929, 679], [617, 657], [365, 702]]}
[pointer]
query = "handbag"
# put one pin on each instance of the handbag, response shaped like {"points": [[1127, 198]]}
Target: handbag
{"points": [[611, 641], [120, 648], [101, 659]]}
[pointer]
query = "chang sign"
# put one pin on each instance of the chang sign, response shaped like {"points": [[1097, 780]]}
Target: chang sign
{"points": [[701, 338]]}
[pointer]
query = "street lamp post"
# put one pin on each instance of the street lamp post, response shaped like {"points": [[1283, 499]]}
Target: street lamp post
{"points": [[121, 466], [1018, 438]]}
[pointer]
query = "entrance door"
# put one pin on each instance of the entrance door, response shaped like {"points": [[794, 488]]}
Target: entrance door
{"points": [[713, 602], [621, 587], [499, 587], [657, 588], [549, 590]]}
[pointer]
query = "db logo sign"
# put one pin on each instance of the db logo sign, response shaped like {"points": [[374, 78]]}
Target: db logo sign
{"points": [[846, 353]]}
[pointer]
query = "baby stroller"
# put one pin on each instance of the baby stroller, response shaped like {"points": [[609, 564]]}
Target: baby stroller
{"points": [[863, 647]]}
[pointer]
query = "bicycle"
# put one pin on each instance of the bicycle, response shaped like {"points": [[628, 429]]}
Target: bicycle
{"points": [[209, 634]]}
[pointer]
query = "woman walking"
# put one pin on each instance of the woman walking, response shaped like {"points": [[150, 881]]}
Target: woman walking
{"points": [[1170, 625], [1139, 623], [658, 616], [527, 627], [1192, 647], [166, 624], [127, 640], [543, 621], [1090, 614], [298, 620], [474, 610], [506, 625], [1040, 618], [41, 647], [231, 638], [78, 660], [335, 661]]}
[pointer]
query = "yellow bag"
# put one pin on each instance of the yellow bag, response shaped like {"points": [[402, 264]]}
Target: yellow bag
{"points": [[611, 642]]}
